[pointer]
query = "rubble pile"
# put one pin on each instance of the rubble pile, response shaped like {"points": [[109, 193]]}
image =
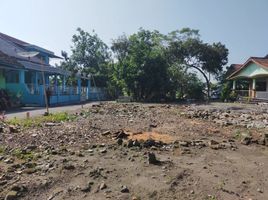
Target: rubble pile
{"points": [[244, 118]]}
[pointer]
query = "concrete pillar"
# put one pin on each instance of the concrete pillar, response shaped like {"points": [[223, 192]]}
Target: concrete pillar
{"points": [[254, 84], [64, 83], [22, 76], [79, 86], [88, 88], [253, 88], [234, 84]]}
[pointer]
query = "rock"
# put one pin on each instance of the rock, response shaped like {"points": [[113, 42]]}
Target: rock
{"points": [[259, 190], [121, 134], [106, 133], [124, 189], [9, 161], [130, 143], [149, 143], [86, 188], [103, 186], [153, 125], [29, 171], [103, 150], [152, 158], [31, 147], [19, 188], [136, 143], [184, 143], [13, 129], [246, 140], [119, 141], [3, 183], [90, 151], [11, 195], [51, 124], [68, 166], [212, 142]]}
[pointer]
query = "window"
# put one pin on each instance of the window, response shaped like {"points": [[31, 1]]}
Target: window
{"points": [[260, 85], [12, 76]]}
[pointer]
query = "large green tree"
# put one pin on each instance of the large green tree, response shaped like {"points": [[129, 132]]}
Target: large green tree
{"points": [[186, 47], [142, 64], [90, 56]]}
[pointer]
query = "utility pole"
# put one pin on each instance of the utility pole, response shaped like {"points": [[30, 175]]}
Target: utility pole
{"points": [[44, 88]]}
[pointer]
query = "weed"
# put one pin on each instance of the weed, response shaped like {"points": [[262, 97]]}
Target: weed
{"points": [[237, 134], [38, 121], [23, 155]]}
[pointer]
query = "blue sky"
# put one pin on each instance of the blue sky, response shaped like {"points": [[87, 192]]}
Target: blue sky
{"points": [[242, 25]]}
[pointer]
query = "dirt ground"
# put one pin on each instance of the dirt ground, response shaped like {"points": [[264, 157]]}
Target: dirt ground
{"points": [[107, 152]]}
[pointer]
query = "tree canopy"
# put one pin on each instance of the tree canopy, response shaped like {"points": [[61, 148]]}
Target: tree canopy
{"points": [[148, 65]]}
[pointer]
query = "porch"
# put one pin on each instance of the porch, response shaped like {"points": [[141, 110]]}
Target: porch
{"points": [[256, 88], [29, 85]]}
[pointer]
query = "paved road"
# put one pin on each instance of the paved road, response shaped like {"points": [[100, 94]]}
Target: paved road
{"points": [[38, 111]]}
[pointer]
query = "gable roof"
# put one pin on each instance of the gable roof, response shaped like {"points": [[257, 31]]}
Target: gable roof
{"points": [[12, 39], [27, 46], [9, 61], [261, 61]]}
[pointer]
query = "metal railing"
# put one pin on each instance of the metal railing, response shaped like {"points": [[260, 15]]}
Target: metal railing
{"points": [[261, 95], [242, 93], [33, 88]]}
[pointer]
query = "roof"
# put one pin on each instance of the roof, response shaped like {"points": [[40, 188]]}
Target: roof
{"points": [[26, 45], [11, 50], [9, 61], [14, 40], [262, 61], [42, 67], [236, 66]]}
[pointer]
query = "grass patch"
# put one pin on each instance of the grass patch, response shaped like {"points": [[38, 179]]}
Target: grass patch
{"points": [[38, 121], [2, 149], [20, 154], [237, 134]]}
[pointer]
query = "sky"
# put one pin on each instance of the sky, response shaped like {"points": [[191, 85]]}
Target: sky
{"points": [[242, 25]]}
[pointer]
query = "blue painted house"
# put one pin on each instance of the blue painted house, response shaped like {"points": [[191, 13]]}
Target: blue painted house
{"points": [[25, 71]]}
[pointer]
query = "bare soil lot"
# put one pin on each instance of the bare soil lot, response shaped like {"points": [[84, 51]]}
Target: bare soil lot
{"points": [[108, 151]]}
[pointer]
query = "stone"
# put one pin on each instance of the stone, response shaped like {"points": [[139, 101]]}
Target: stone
{"points": [[13, 129], [213, 142], [152, 158], [153, 125], [86, 188], [3, 183], [9, 161], [122, 135], [149, 143], [103, 150], [119, 141], [31, 147], [130, 143], [103, 186], [124, 189], [105, 133], [184, 143], [136, 143], [259, 190], [11, 195], [246, 140], [68, 166], [51, 124]]}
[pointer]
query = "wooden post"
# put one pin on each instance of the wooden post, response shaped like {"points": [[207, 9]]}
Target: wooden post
{"points": [[254, 88], [234, 84]]}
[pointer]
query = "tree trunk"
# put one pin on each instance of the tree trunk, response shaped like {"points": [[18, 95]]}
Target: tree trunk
{"points": [[207, 81]]}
